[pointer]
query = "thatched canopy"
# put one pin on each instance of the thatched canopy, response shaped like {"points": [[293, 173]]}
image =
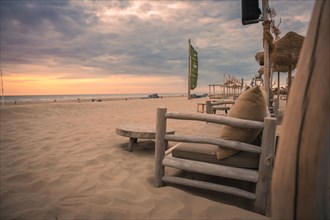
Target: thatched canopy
{"points": [[233, 83], [275, 68], [285, 54], [278, 68], [287, 49], [260, 58]]}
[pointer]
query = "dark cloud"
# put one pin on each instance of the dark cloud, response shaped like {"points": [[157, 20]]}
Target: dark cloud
{"points": [[138, 37], [35, 30]]}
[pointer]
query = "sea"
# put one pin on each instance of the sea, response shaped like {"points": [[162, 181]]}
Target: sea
{"points": [[80, 98]]}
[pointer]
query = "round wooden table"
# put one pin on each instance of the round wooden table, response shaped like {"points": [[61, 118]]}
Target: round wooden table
{"points": [[134, 132]]}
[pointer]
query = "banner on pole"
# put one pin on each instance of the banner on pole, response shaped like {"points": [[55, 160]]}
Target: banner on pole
{"points": [[193, 68]]}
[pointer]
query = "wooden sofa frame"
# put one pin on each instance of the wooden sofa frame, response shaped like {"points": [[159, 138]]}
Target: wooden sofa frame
{"points": [[262, 176]]}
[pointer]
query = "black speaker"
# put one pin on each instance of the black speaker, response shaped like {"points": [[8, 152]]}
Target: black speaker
{"points": [[250, 11]]}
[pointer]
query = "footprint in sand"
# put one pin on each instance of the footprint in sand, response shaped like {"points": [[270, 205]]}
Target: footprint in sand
{"points": [[24, 177]]}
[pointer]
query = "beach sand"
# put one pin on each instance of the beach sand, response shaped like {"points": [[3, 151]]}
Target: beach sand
{"points": [[65, 161]]}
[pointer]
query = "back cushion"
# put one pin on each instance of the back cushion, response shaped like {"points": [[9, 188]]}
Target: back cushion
{"points": [[250, 105]]}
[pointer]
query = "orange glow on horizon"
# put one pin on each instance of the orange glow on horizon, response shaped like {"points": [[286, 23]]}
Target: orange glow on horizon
{"points": [[116, 84]]}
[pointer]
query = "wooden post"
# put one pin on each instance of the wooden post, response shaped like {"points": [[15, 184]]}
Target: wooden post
{"points": [[3, 98], [289, 79], [189, 70], [271, 80], [208, 107], [266, 27], [301, 179], [160, 146], [262, 202], [278, 90], [215, 92]]}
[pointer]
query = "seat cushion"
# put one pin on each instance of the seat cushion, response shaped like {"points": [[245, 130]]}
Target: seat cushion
{"points": [[207, 153], [250, 105]]}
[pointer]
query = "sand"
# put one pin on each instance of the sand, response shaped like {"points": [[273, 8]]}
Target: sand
{"points": [[65, 161]]}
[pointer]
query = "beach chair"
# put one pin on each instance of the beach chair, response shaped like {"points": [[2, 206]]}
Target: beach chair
{"points": [[197, 154]]}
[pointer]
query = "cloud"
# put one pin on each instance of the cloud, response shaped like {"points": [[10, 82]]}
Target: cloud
{"points": [[95, 39]]}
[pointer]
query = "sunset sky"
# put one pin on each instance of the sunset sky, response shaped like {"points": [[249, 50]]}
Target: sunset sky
{"points": [[116, 47]]}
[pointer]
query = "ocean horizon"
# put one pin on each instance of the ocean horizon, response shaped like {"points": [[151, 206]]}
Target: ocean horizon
{"points": [[16, 99]]}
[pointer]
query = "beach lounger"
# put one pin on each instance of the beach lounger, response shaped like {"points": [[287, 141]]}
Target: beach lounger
{"points": [[197, 154]]}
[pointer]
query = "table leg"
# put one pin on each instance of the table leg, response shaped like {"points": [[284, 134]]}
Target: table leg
{"points": [[131, 143]]}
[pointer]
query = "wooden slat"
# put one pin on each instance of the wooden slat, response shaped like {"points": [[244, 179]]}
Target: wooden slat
{"points": [[235, 122], [215, 141], [168, 151], [212, 169], [209, 186], [221, 107], [223, 102]]}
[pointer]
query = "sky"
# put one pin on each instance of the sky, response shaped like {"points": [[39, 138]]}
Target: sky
{"points": [[119, 47]]}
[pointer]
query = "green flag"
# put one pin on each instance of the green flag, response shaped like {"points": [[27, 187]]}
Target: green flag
{"points": [[193, 68]]}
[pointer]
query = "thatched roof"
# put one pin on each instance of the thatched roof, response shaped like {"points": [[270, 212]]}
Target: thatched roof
{"points": [[278, 68], [286, 52], [287, 49], [233, 83], [275, 68], [260, 58]]}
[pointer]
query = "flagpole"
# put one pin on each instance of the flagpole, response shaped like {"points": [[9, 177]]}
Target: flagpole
{"points": [[189, 70], [3, 100]]}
